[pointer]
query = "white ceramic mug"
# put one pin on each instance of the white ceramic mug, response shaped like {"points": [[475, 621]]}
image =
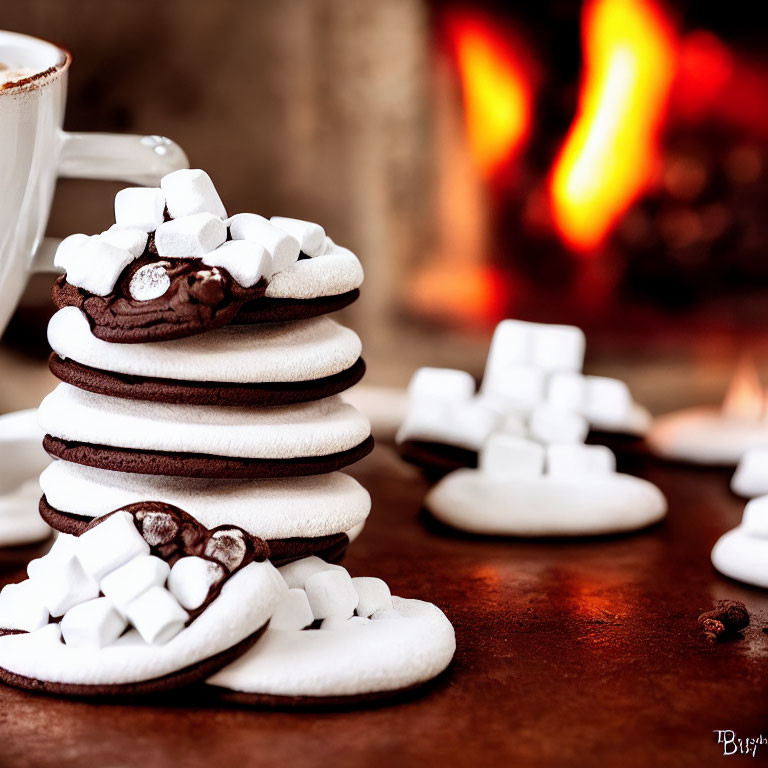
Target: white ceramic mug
{"points": [[34, 151]]}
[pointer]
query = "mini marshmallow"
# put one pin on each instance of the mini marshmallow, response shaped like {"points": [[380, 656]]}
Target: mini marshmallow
{"points": [[63, 546], [94, 624], [127, 582], [445, 384], [140, 208], [133, 240], [548, 424], [755, 518], [190, 191], [22, 608], [157, 615], [506, 456], [62, 583], [512, 343], [373, 595], [579, 460], [338, 622], [292, 612], [473, 421], [558, 347], [190, 236], [331, 593], [297, 572], [283, 247], [191, 579], [609, 401], [311, 236], [751, 476], [246, 260], [568, 391], [92, 263], [521, 387], [109, 544]]}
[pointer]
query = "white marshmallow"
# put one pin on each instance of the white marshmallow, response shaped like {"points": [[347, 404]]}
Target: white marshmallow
{"points": [[108, 545], [505, 456], [609, 401], [62, 583], [445, 384], [338, 622], [512, 343], [190, 191], [521, 387], [548, 424], [311, 236], [297, 572], [139, 208], [283, 247], [190, 236], [513, 424], [755, 518], [127, 582], [558, 347], [63, 546], [579, 460], [245, 260], [133, 240], [373, 595], [568, 391], [191, 579], [92, 263], [22, 608], [473, 421], [292, 612], [751, 476], [94, 624], [156, 615], [331, 593]]}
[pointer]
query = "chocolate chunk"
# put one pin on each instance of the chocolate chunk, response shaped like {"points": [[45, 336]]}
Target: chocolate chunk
{"points": [[727, 619]]}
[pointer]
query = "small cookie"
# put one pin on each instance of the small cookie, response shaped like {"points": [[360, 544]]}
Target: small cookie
{"points": [[203, 441], [146, 600], [276, 364], [338, 641]]}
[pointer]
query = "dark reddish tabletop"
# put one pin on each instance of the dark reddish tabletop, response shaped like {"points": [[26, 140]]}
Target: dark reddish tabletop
{"points": [[582, 653]]}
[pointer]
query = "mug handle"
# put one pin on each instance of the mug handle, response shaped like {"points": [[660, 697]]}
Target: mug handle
{"points": [[142, 160]]}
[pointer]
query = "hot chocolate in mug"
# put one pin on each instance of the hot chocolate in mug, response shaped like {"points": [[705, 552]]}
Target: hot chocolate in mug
{"points": [[35, 151]]}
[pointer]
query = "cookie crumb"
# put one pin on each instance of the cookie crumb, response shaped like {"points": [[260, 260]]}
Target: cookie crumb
{"points": [[726, 619]]}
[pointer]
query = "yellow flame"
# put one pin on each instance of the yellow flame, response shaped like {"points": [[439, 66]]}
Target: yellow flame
{"points": [[610, 150], [745, 398], [496, 94]]}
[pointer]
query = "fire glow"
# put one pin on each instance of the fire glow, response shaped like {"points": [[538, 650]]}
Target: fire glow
{"points": [[611, 150], [496, 89]]}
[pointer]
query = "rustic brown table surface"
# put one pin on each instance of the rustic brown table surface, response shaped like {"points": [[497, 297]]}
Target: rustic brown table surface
{"points": [[569, 653]]}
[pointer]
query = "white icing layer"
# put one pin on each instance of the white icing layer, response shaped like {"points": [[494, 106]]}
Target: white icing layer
{"points": [[272, 352], [382, 655], [742, 556], [244, 605], [318, 428], [706, 436], [335, 271], [575, 505], [271, 509]]}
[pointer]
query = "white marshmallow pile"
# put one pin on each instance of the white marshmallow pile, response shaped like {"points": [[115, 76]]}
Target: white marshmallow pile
{"points": [[258, 249], [104, 581], [320, 591], [532, 387], [751, 476], [742, 553]]}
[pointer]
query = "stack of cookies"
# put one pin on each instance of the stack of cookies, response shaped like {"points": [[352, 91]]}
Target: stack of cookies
{"points": [[199, 434]]}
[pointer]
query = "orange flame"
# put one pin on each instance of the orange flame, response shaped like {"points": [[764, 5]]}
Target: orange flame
{"points": [[497, 92], [745, 398], [611, 148]]}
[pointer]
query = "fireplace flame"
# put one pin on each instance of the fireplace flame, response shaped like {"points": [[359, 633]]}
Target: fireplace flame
{"points": [[496, 90], [611, 149], [745, 398]]}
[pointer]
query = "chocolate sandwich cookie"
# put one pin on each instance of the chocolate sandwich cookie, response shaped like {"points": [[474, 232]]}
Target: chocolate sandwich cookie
{"points": [[264, 365], [336, 641], [174, 265], [203, 441], [145, 600], [296, 517]]}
